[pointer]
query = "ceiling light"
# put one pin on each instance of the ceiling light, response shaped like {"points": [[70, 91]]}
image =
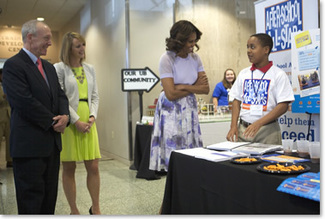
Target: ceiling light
{"points": [[40, 19]]}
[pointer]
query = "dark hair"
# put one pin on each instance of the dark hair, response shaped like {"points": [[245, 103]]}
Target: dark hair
{"points": [[225, 83], [265, 40], [179, 35]]}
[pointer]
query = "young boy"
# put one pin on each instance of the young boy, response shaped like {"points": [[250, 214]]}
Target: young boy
{"points": [[261, 94]]}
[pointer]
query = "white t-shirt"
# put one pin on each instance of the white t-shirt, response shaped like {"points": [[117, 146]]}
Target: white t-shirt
{"points": [[182, 70], [268, 90]]}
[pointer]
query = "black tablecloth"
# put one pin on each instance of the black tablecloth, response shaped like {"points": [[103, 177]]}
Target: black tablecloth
{"points": [[196, 186], [142, 152]]}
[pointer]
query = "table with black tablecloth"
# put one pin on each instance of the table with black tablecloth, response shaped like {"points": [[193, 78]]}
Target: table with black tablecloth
{"points": [[142, 152], [143, 140], [197, 186]]}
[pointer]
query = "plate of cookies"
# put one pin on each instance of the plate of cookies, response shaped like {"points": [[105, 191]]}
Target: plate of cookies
{"points": [[283, 168], [246, 160]]}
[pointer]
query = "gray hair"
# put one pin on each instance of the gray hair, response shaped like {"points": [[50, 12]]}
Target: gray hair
{"points": [[29, 27]]}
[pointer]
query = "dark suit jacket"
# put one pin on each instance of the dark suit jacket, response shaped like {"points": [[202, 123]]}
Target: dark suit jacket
{"points": [[33, 105]]}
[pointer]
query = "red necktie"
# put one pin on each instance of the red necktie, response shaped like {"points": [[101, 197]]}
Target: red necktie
{"points": [[40, 67]]}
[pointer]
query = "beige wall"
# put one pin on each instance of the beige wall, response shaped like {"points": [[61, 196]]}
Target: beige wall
{"points": [[148, 30], [11, 43], [72, 25], [222, 45], [104, 32], [225, 35]]}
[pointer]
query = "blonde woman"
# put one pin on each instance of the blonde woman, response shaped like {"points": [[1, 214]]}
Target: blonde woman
{"points": [[80, 139]]}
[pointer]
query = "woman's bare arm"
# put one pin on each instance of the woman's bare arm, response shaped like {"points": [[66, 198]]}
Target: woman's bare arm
{"points": [[201, 86]]}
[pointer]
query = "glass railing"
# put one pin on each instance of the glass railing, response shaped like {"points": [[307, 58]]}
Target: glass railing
{"points": [[208, 113]]}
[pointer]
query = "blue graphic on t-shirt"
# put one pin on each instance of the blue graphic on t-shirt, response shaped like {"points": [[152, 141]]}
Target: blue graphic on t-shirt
{"points": [[256, 91]]}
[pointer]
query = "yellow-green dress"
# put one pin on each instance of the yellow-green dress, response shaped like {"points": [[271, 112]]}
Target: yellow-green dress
{"points": [[77, 146]]}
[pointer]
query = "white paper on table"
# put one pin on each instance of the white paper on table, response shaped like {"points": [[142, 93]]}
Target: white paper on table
{"points": [[258, 148], [226, 145], [218, 156], [190, 152], [211, 155]]}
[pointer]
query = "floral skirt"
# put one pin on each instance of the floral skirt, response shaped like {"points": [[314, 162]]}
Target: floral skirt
{"points": [[176, 126]]}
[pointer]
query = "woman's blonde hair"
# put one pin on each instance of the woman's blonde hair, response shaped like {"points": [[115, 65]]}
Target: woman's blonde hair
{"points": [[67, 45]]}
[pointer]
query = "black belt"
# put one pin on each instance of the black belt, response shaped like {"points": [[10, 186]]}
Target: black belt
{"points": [[86, 100], [246, 124]]}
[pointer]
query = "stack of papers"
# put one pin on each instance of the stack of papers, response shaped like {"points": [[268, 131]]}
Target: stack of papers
{"points": [[278, 158], [258, 148], [215, 156], [245, 147], [226, 145]]}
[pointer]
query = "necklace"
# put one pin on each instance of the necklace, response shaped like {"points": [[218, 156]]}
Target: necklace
{"points": [[81, 77]]}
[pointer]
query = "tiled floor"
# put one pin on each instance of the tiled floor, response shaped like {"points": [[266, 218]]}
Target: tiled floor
{"points": [[121, 192]]}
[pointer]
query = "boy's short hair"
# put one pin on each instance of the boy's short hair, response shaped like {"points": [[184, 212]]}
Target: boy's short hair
{"points": [[265, 40]]}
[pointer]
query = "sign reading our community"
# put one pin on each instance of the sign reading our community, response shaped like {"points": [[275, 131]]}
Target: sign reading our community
{"points": [[138, 79]]}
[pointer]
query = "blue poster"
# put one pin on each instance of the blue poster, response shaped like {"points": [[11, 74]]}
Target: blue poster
{"points": [[281, 20], [306, 72], [310, 104]]}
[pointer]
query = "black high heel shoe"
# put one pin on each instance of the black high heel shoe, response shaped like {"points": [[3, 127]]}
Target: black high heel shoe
{"points": [[90, 211]]}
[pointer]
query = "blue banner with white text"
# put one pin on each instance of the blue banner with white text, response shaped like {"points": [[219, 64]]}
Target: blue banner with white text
{"points": [[281, 20]]}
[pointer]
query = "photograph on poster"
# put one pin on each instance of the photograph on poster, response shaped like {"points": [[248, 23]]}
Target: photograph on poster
{"points": [[309, 83], [308, 80], [308, 74]]}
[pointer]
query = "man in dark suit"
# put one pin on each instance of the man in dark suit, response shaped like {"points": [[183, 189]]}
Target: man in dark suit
{"points": [[39, 114]]}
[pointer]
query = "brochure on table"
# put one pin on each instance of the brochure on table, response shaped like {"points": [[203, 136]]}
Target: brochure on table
{"points": [[215, 156], [280, 158], [226, 145], [245, 147], [306, 185], [257, 148]]}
